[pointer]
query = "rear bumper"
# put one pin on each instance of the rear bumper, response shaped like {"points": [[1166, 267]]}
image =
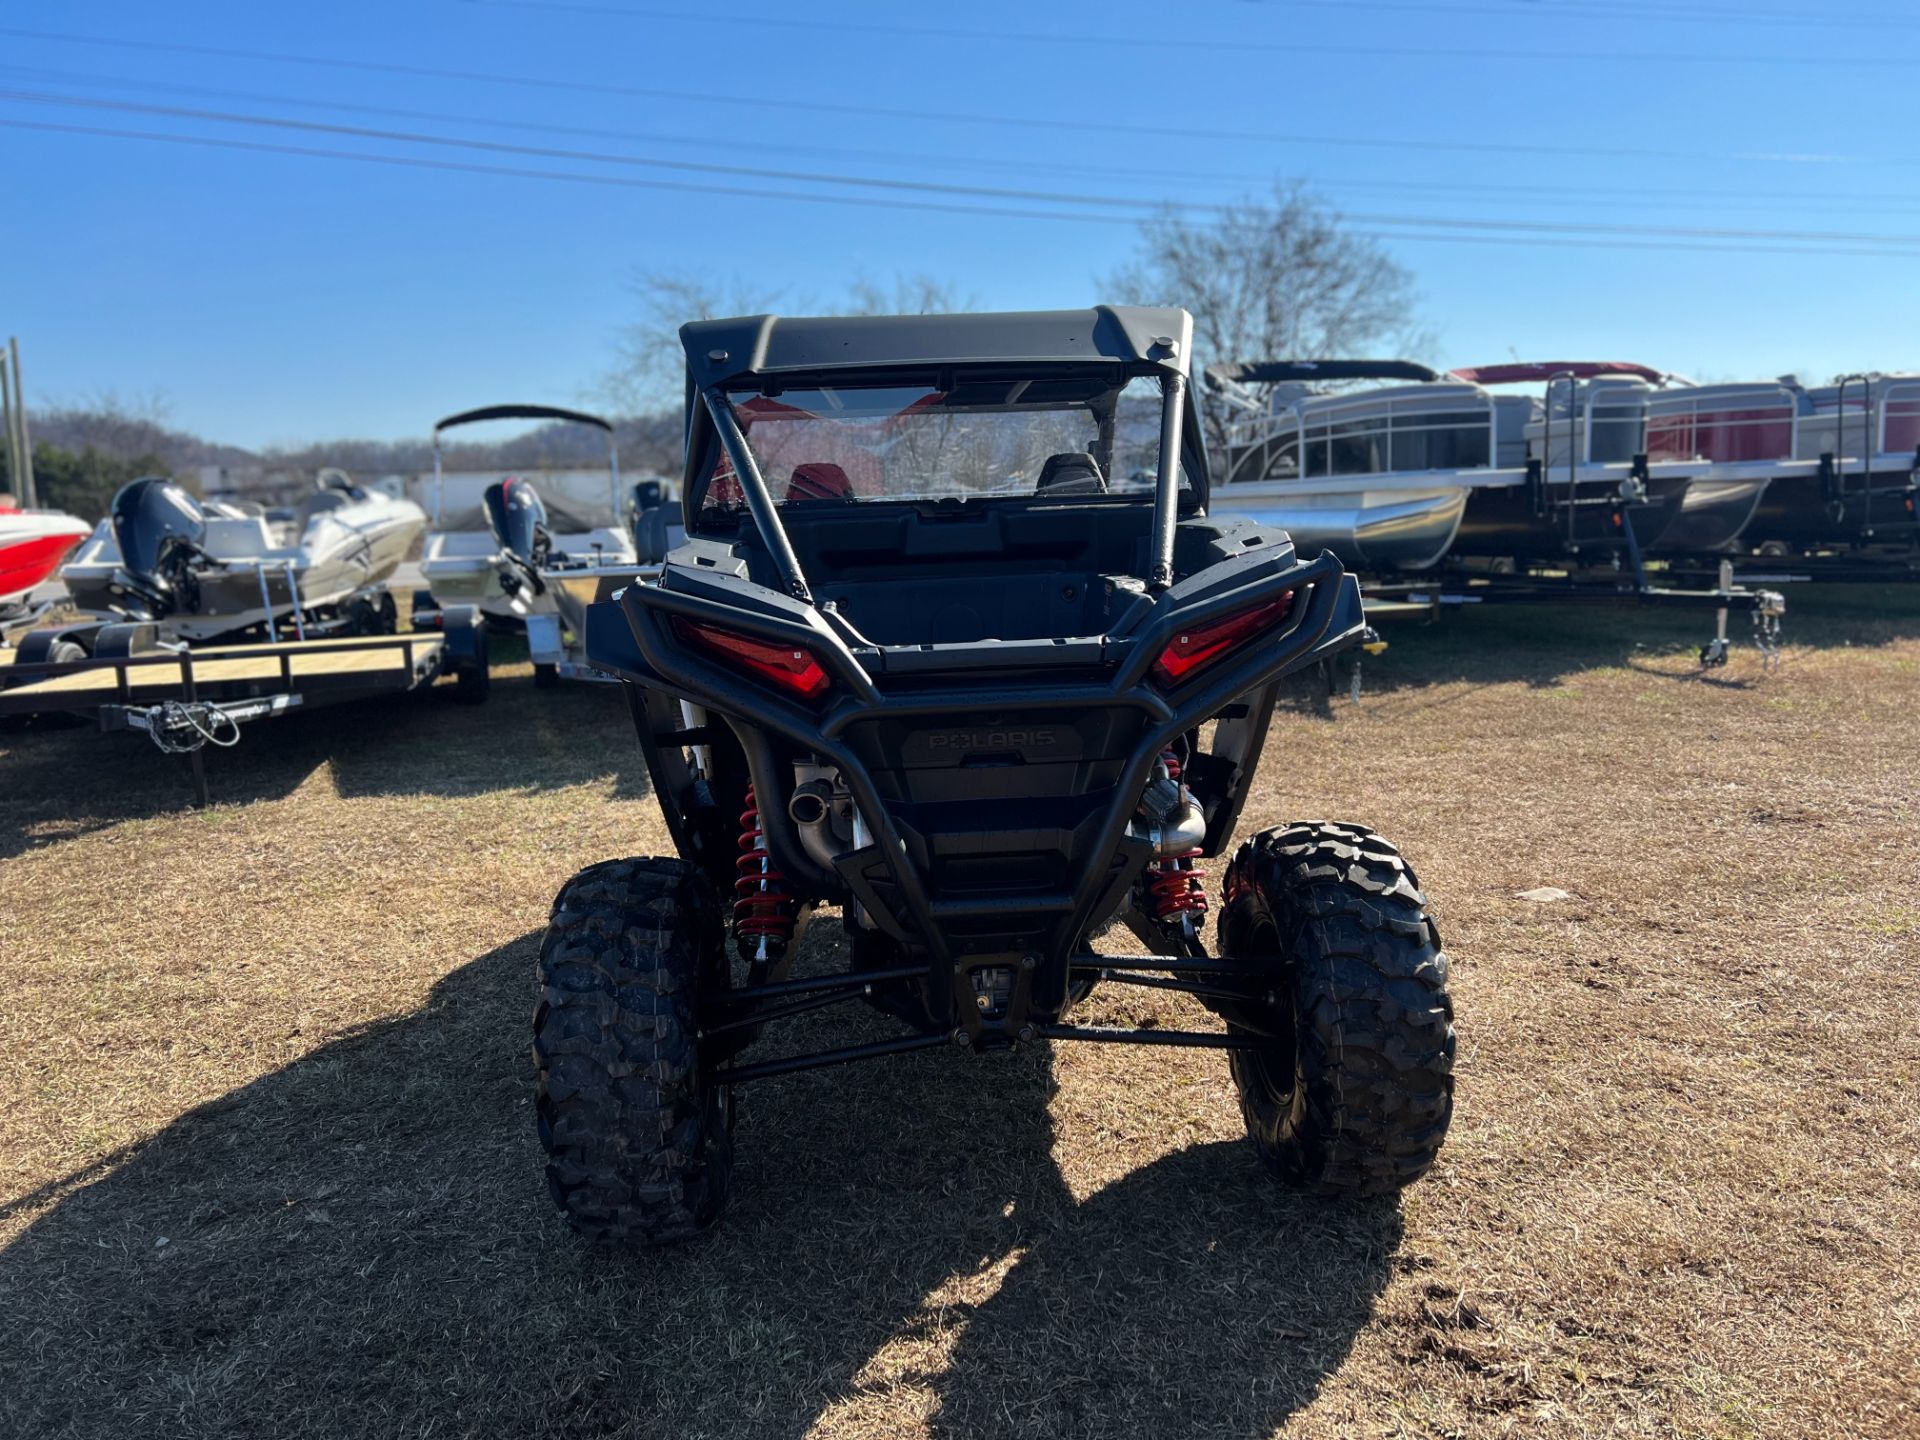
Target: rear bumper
{"points": [[978, 863]]}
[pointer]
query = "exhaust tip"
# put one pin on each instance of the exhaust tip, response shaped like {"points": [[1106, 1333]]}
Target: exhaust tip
{"points": [[808, 806]]}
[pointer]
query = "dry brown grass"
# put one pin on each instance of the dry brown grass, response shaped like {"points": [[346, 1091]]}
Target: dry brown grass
{"points": [[267, 1158]]}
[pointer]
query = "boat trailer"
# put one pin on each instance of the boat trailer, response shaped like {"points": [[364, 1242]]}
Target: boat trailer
{"points": [[1433, 597], [184, 698]]}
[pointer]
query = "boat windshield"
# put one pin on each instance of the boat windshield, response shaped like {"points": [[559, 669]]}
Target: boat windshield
{"points": [[971, 439]]}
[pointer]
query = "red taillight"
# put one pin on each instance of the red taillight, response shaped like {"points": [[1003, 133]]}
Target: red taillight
{"points": [[1193, 650], [789, 667]]}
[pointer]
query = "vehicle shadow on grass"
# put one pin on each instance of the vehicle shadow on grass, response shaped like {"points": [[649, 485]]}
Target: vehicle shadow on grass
{"points": [[521, 739], [363, 1239]]}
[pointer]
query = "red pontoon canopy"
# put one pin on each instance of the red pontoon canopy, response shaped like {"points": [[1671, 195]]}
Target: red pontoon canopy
{"points": [[1550, 369]]}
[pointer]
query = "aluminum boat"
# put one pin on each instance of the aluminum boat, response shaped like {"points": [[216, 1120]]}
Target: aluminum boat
{"points": [[469, 557]]}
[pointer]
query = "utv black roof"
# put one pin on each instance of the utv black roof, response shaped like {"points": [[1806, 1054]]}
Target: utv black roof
{"points": [[722, 352], [1277, 372]]}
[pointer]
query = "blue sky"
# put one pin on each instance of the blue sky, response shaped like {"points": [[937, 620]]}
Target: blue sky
{"points": [[271, 297]]}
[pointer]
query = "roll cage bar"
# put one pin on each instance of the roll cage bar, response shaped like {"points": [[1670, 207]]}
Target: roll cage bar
{"points": [[729, 354]]}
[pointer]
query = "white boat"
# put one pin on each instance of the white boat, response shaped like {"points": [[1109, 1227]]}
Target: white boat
{"points": [[208, 569]]}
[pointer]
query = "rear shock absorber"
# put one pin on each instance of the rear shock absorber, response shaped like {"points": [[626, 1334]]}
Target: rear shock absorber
{"points": [[762, 909], [1175, 892]]}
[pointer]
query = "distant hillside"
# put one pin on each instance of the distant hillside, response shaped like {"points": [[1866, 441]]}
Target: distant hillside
{"points": [[120, 436], [647, 443]]}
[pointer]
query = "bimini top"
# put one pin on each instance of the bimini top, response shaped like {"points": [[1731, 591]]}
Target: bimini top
{"points": [[722, 351], [521, 412], [1279, 372], [1555, 370]]}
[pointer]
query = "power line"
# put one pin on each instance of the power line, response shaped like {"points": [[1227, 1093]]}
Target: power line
{"points": [[596, 157], [1613, 10], [1143, 207], [1639, 195], [1240, 45], [917, 159], [1104, 126], [1882, 250]]}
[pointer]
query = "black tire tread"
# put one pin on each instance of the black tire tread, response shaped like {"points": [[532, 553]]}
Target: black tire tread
{"points": [[639, 1145], [1373, 1018]]}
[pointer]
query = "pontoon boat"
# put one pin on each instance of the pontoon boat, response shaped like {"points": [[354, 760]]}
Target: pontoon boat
{"points": [[1397, 477], [1853, 476]]}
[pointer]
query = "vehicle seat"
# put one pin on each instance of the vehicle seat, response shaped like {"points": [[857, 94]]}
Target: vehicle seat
{"points": [[1072, 472], [818, 480], [317, 503], [237, 537], [650, 538]]}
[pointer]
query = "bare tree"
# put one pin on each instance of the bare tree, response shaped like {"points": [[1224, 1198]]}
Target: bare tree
{"points": [[1273, 279], [915, 294], [648, 375]]}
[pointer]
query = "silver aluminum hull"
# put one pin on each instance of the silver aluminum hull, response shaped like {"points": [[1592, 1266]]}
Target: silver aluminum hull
{"points": [[1712, 515], [1368, 528]]}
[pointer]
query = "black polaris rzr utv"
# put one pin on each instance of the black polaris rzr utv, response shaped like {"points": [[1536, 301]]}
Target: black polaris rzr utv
{"points": [[954, 646]]}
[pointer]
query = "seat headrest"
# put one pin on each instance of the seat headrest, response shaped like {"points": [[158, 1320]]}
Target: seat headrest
{"points": [[819, 480], [1072, 472]]}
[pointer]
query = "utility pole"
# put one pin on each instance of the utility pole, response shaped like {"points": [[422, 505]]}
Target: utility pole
{"points": [[6, 424], [23, 446]]}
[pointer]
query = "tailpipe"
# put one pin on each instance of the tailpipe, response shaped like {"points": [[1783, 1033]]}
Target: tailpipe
{"points": [[1174, 822], [810, 807], [1181, 831]]}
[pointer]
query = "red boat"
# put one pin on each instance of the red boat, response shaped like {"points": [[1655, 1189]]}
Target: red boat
{"points": [[33, 543]]}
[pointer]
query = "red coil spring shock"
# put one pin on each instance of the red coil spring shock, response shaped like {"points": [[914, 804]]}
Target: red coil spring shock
{"points": [[761, 908], [1174, 885]]}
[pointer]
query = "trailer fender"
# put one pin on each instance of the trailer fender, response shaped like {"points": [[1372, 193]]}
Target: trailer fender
{"points": [[126, 638], [36, 646], [465, 629]]}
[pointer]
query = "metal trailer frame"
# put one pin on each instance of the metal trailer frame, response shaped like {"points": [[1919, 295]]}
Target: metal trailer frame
{"points": [[199, 708], [1732, 592]]}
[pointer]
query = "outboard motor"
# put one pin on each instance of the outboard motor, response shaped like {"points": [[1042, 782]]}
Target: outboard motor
{"points": [[647, 518], [160, 529], [518, 520]]}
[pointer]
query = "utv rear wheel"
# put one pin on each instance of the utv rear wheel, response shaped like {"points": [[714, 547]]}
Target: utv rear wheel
{"points": [[638, 1137], [1351, 1090]]}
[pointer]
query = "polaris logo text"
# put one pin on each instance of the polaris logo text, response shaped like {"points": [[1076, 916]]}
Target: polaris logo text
{"points": [[990, 740]]}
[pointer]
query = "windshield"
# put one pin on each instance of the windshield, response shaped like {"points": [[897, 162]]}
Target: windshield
{"points": [[1060, 438]]}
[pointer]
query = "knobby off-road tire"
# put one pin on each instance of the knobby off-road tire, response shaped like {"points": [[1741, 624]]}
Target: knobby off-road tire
{"points": [[1353, 1093], [639, 1141]]}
